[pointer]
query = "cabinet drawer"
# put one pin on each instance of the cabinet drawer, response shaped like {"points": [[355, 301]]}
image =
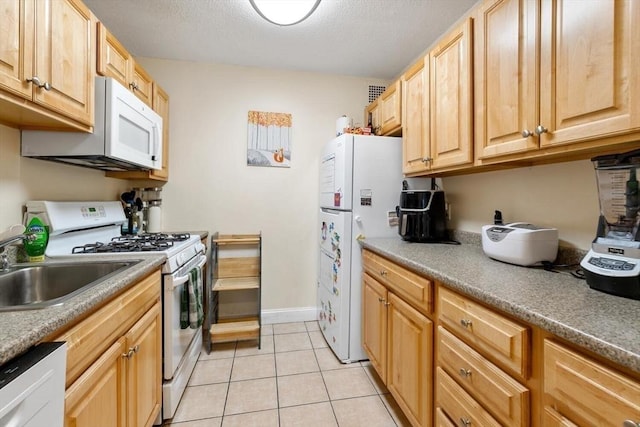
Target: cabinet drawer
{"points": [[92, 336], [498, 338], [459, 405], [587, 392], [507, 399], [415, 289]]}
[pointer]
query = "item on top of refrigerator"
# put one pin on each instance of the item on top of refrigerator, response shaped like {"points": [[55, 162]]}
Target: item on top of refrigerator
{"points": [[342, 124], [612, 265], [520, 243]]}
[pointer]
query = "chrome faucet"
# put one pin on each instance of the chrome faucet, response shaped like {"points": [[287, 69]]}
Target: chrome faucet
{"points": [[4, 259]]}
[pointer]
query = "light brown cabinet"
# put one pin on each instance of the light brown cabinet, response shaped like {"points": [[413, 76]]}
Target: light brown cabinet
{"points": [[399, 341], [416, 147], [582, 391], [390, 110], [371, 117], [450, 94], [584, 86], [114, 361], [47, 64], [115, 61]]}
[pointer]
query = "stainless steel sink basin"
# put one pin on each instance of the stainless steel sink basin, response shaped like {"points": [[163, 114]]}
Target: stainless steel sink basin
{"points": [[26, 287]]}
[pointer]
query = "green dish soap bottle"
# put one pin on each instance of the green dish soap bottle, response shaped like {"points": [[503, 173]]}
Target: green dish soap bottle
{"points": [[35, 247]]}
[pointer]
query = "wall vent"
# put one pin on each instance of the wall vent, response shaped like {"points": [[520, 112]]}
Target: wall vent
{"points": [[375, 92]]}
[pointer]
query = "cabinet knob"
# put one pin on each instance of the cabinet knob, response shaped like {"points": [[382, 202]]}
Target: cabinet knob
{"points": [[427, 159], [132, 350], [540, 130], [465, 322], [465, 422], [383, 272], [36, 81], [465, 373], [630, 423], [386, 303], [134, 86], [526, 133], [380, 299]]}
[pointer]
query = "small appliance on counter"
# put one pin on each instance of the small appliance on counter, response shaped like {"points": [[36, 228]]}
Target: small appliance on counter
{"points": [[422, 215], [612, 265], [519, 243]]}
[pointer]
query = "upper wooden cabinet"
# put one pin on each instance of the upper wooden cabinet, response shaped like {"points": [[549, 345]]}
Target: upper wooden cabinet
{"points": [[390, 110], [415, 118], [586, 85], [451, 107], [115, 61], [47, 64]]}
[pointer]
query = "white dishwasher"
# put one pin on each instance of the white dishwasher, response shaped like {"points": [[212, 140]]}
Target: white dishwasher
{"points": [[32, 387]]}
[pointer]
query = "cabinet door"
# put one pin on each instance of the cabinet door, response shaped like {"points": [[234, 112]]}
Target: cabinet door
{"points": [[64, 58], [113, 59], [144, 369], [390, 110], [142, 84], [372, 116], [98, 397], [161, 106], [374, 324], [586, 392], [16, 55], [590, 85], [506, 83], [450, 99], [409, 360], [415, 118]]}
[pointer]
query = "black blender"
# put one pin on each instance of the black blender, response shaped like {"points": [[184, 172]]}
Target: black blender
{"points": [[612, 265]]}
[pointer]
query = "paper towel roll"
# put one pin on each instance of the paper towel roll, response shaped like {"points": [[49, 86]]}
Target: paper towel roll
{"points": [[342, 123]]}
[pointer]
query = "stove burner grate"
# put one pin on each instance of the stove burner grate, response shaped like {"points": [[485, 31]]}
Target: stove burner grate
{"points": [[133, 243]]}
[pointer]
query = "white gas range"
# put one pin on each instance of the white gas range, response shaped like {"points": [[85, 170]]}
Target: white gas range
{"points": [[85, 229]]}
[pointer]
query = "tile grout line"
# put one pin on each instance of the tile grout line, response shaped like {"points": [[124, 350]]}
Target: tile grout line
{"points": [[333, 411]]}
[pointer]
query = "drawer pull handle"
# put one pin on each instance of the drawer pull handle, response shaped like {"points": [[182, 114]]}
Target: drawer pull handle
{"points": [[383, 272], [466, 422], [132, 350], [630, 423], [465, 373], [465, 322]]}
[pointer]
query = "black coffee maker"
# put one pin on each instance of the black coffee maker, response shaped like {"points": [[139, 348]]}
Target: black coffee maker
{"points": [[422, 215]]}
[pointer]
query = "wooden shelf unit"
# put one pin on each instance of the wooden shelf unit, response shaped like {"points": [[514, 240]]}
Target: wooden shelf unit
{"points": [[236, 267]]}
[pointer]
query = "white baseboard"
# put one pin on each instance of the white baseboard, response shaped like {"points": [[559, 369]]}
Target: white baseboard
{"points": [[286, 315]]}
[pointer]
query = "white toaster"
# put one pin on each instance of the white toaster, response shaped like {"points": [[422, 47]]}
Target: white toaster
{"points": [[520, 243]]}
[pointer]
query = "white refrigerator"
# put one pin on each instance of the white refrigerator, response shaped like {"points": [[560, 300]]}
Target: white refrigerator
{"points": [[360, 184]]}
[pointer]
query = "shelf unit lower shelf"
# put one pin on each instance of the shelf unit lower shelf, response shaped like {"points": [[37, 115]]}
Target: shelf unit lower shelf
{"points": [[235, 331]]}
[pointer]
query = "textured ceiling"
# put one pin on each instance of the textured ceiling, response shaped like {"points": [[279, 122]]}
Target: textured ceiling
{"points": [[369, 38]]}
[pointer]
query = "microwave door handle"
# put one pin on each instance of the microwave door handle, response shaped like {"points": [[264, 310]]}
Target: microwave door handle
{"points": [[155, 143]]}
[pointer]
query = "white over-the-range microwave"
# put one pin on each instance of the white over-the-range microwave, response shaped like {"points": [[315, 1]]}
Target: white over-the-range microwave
{"points": [[127, 135]]}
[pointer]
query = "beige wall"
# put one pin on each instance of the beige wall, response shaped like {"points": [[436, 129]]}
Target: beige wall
{"points": [[562, 195], [23, 179]]}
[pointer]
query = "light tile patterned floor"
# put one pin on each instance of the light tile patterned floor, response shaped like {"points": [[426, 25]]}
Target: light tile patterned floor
{"points": [[293, 380]]}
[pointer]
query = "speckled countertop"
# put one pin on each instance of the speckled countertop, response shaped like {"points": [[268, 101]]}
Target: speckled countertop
{"points": [[20, 330], [556, 302]]}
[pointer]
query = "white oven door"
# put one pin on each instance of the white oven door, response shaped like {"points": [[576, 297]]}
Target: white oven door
{"points": [[176, 340]]}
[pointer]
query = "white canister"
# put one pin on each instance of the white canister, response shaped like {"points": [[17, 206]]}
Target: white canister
{"points": [[342, 123], [154, 219]]}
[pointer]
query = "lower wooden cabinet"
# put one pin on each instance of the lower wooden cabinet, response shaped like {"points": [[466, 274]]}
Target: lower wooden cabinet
{"points": [[114, 361], [580, 390], [399, 342]]}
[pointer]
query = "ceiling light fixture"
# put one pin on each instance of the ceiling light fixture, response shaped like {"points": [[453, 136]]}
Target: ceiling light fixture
{"points": [[285, 12]]}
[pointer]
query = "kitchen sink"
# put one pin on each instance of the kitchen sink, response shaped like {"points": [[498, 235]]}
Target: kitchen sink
{"points": [[31, 286]]}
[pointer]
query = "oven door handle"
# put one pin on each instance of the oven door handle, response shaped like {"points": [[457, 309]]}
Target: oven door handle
{"points": [[182, 279]]}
